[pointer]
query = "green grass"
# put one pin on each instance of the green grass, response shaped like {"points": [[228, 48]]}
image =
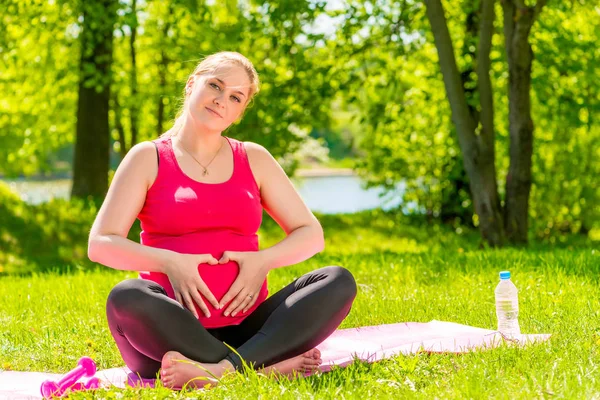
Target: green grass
{"points": [[405, 272]]}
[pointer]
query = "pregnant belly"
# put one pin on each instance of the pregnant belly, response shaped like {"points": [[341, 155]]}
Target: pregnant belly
{"points": [[218, 279]]}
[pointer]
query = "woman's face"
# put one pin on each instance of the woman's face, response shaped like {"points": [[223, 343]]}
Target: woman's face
{"points": [[218, 100]]}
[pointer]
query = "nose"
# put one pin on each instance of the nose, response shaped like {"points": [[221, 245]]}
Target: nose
{"points": [[218, 101]]}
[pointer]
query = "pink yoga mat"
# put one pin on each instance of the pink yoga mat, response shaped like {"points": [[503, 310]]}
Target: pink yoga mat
{"points": [[371, 343]]}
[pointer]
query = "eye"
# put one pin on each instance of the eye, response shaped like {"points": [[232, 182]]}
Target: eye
{"points": [[215, 86], [236, 99]]}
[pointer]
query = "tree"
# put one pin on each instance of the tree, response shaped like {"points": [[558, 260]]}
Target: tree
{"points": [[39, 52], [90, 165], [566, 161], [476, 132], [518, 20], [175, 35], [130, 21]]}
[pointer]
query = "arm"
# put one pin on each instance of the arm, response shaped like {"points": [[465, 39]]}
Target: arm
{"points": [[108, 243], [283, 203], [304, 233]]}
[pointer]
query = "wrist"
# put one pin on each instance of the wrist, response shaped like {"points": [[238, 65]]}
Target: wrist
{"points": [[267, 259], [168, 260]]}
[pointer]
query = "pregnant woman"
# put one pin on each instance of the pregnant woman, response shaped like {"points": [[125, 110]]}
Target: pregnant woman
{"points": [[199, 196]]}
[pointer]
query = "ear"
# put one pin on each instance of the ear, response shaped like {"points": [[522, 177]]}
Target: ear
{"points": [[190, 83]]}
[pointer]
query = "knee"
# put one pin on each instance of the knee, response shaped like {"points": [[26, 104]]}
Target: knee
{"points": [[344, 282], [125, 295]]}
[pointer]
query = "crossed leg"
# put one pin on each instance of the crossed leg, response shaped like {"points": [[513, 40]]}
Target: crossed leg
{"points": [[152, 330]]}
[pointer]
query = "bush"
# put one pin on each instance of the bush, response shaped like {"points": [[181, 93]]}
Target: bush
{"points": [[43, 237]]}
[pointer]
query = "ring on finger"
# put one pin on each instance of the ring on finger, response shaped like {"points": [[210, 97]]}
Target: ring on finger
{"points": [[247, 303]]}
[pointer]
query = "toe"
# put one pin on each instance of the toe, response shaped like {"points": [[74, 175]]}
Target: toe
{"points": [[310, 368], [313, 353], [311, 361], [166, 376], [167, 360]]}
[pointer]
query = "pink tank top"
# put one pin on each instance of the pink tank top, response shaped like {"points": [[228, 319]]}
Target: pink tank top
{"points": [[187, 216]]}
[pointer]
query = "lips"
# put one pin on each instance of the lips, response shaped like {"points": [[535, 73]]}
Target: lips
{"points": [[216, 114]]}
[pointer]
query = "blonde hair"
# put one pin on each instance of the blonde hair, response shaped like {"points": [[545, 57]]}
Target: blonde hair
{"points": [[208, 66]]}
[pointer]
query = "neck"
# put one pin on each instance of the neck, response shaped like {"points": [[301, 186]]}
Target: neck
{"points": [[198, 139]]}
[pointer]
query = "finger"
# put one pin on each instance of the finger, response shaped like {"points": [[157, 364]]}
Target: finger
{"points": [[209, 259], [234, 305], [189, 303], [224, 258], [178, 298], [228, 256], [236, 300], [202, 288], [196, 296], [231, 293], [244, 300], [251, 303]]}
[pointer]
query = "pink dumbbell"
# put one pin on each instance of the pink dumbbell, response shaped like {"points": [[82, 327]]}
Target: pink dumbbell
{"points": [[93, 383], [85, 367]]}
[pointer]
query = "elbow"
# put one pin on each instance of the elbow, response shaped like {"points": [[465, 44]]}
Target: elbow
{"points": [[92, 249], [320, 238]]}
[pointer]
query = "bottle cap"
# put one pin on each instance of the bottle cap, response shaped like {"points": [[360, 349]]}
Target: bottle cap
{"points": [[504, 275]]}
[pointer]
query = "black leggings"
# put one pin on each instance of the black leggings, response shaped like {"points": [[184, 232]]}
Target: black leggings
{"points": [[146, 323]]}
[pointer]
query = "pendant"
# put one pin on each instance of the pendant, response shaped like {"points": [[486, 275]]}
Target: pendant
{"points": [[205, 172]]}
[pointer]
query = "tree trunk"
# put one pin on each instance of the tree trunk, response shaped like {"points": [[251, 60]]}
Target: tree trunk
{"points": [[90, 165], [476, 139], [163, 67], [119, 127], [134, 110], [452, 208], [518, 20]]}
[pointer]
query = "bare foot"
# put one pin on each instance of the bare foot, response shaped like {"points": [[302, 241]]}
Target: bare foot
{"points": [[178, 371], [299, 365]]}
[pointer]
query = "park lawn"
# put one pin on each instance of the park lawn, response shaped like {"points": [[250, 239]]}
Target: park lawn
{"points": [[405, 272]]}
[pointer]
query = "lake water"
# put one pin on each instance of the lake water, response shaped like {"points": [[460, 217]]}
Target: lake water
{"points": [[325, 194]]}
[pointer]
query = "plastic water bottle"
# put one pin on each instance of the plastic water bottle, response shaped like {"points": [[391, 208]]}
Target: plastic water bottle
{"points": [[507, 307]]}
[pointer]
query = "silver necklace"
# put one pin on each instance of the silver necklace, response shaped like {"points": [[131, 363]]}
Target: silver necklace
{"points": [[205, 168]]}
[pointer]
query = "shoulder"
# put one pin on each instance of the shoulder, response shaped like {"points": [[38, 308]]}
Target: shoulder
{"points": [[142, 160], [143, 152], [256, 151], [262, 163], [260, 156]]}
